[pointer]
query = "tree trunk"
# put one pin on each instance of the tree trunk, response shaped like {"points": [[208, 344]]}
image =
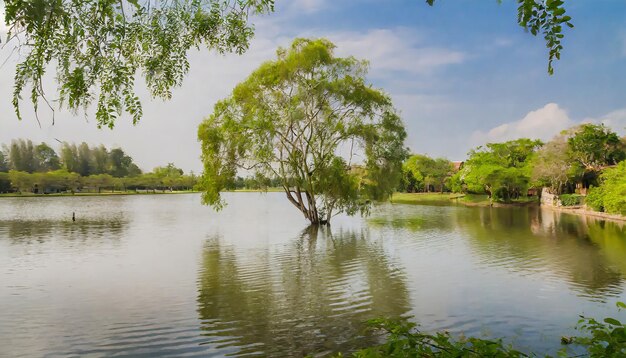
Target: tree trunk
{"points": [[310, 213]]}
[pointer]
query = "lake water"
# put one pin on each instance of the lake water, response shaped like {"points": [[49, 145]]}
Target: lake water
{"points": [[163, 275]]}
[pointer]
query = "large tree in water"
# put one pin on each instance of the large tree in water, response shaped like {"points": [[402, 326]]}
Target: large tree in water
{"points": [[310, 119]]}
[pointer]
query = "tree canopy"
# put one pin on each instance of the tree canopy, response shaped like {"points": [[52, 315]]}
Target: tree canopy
{"points": [[501, 170], [553, 166], [310, 119], [577, 155], [99, 47], [421, 173], [595, 146]]}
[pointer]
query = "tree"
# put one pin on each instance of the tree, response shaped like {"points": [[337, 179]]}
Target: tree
{"points": [[610, 196], [69, 157], [291, 117], [121, 164], [99, 181], [22, 155], [501, 170], [546, 17], [21, 181], [4, 165], [595, 146], [5, 182], [46, 159], [554, 167], [99, 47], [169, 170], [84, 160], [168, 175], [421, 172], [99, 160]]}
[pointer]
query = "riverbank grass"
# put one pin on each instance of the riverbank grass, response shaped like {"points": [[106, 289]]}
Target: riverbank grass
{"points": [[455, 198], [103, 193]]}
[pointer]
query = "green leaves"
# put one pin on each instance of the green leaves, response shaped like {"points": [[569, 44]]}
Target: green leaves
{"points": [[100, 46], [595, 146], [603, 339], [404, 340], [612, 321], [610, 196], [500, 169], [545, 17], [304, 118]]}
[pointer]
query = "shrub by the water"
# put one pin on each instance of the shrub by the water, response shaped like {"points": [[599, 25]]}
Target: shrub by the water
{"points": [[610, 196], [571, 199], [595, 199], [600, 339]]}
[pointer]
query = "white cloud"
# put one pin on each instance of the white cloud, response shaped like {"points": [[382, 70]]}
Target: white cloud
{"points": [[308, 6], [616, 120], [395, 49], [543, 123], [503, 42]]}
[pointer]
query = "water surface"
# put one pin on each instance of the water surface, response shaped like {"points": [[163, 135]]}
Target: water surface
{"points": [[164, 276]]}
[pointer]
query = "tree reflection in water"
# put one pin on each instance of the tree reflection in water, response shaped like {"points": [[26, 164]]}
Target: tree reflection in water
{"points": [[588, 254], [310, 296], [83, 230]]}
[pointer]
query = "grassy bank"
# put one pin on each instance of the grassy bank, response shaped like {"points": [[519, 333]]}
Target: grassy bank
{"points": [[107, 193], [271, 190], [454, 198]]}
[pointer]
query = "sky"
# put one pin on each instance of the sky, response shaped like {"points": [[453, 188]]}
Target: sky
{"points": [[462, 73]]}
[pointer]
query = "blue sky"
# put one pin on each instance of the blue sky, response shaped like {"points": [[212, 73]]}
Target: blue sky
{"points": [[462, 73]]}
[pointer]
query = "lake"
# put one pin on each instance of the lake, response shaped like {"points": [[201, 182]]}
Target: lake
{"points": [[162, 275]]}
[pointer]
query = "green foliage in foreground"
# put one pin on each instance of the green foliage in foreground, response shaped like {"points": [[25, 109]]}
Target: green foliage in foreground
{"points": [[403, 340], [610, 196], [101, 48], [606, 338]]}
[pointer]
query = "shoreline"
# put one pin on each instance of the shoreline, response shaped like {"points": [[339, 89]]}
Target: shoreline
{"points": [[69, 195], [581, 211], [471, 200]]}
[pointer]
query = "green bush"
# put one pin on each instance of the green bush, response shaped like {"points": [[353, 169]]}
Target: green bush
{"points": [[595, 199], [571, 199], [610, 196]]}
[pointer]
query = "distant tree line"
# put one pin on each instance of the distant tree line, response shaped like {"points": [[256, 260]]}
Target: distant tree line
{"points": [[257, 182], [25, 167], [23, 156], [586, 159], [421, 173]]}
